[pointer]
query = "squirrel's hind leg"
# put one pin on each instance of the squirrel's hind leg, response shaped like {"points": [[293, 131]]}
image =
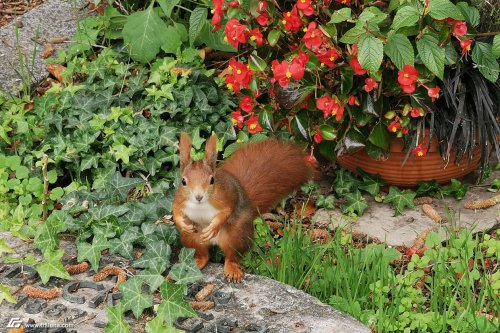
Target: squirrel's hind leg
{"points": [[234, 240], [201, 254]]}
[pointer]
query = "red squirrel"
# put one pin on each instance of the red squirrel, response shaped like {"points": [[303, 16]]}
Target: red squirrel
{"points": [[217, 205]]}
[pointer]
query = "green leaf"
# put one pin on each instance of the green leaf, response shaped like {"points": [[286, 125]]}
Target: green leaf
{"points": [[353, 35], [153, 280], [256, 63], [400, 50], [119, 186], [133, 297], [380, 136], [173, 42], [46, 237], [344, 182], [328, 132], [494, 187], [22, 172], [173, 305], [144, 32], [340, 15], [456, 188], [158, 326], [372, 14], [156, 257], [370, 52], [406, 16], [431, 54], [186, 271], [167, 6], [92, 252], [355, 203], [116, 320], [496, 46], [450, 55], [52, 266], [483, 56], [123, 245], [6, 295], [400, 200], [56, 193], [470, 13], [4, 248], [196, 22], [442, 9], [371, 183]]}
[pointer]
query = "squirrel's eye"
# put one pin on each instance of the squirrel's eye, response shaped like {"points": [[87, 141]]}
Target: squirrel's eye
{"points": [[212, 180], [184, 182]]}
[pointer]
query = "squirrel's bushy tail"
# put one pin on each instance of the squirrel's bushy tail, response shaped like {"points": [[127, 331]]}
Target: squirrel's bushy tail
{"points": [[268, 170]]}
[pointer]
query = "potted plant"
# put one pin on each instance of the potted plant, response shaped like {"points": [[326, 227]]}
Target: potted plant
{"points": [[347, 75]]}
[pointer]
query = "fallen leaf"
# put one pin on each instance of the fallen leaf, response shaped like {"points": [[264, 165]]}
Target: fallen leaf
{"points": [[305, 210], [49, 50], [58, 40], [56, 70]]}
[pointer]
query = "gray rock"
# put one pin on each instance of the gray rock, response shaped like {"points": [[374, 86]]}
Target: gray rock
{"points": [[53, 19], [278, 307], [378, 221]]}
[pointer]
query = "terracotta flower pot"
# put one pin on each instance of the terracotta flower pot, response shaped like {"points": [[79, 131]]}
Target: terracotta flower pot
{"points": [[432, 166]]}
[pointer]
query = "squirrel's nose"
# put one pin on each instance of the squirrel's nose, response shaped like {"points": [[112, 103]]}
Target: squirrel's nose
{"points": [[199, 197]]}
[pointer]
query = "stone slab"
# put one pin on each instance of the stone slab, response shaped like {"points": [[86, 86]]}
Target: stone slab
{"points": [[258, 304], [53, 19], [378, 221]]}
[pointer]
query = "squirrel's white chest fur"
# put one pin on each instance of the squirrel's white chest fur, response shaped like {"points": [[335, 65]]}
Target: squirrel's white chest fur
{"points": [[200, 213]]}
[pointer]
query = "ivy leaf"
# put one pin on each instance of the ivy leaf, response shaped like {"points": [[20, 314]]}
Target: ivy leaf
{"points": [[400, 200], [196, 21], [370, 52], [340, 15], [456, 188], [431, 54], [186, 271], [102, 212], [123, 152], [116, 320], [156, 257], [123, 245], [46, 233], [152, 279], [430, 187], [344, 182], [355, 203], [442, 9], [173, 305], [4, 248], [119, 186], [483, 56], [92, 252], [144, 32], [6, 295], [52, 266], [157, 325], [406, 16], [371, 183], [133, 296], [400, 50]]}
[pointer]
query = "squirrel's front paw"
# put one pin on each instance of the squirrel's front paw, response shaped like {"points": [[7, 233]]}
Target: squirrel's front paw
{"points": [[208, 233], [188, 228]]}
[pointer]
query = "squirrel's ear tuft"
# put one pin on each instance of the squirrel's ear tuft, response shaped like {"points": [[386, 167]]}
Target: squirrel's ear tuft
{"points": [[211, 151], [185, 150]]}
